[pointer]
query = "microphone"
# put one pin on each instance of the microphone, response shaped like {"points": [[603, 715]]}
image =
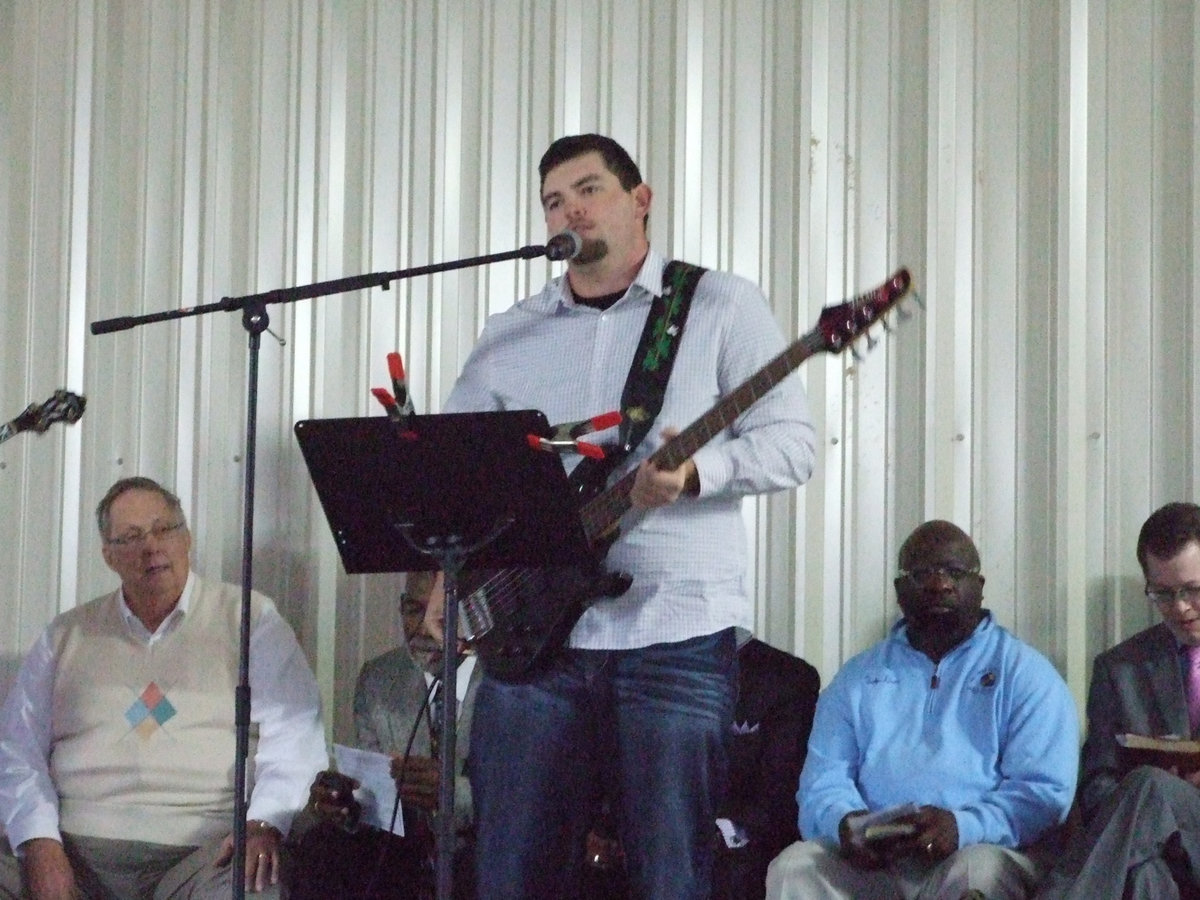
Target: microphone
{"points": [[564, 245]]}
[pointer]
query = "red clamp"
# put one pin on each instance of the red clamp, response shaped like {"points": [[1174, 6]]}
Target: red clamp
{"points": [[388, 402], [400, 407], [399, 383], [566, 436]]}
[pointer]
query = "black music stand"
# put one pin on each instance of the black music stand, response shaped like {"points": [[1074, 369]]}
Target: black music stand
{"points": [[456, 492]]}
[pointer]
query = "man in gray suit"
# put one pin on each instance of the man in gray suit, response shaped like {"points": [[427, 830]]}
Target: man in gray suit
{"points": [[389, 717], [389, 696], [1143, 823]]}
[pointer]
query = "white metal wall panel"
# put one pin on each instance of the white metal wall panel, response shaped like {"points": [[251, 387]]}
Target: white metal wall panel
{"points": [[871, 253], [996, 173], [1034, 163], [35, 275]]}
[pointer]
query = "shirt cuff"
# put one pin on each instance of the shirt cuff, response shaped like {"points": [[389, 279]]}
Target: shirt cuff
{"points": [[34, 826]]}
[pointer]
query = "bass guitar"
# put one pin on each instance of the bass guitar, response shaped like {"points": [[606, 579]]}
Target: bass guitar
{"points": [[63, 406], [517, 618]]}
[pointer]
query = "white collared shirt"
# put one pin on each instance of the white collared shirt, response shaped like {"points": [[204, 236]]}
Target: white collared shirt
{"points": [[284, 704], [688, 559], [462, 680]]}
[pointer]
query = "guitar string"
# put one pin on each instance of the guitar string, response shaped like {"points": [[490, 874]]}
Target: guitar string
{"points": [[502, 592]]}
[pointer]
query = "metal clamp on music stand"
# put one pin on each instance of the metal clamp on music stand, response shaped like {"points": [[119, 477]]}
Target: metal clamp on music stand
{"points": [[456, 492]]}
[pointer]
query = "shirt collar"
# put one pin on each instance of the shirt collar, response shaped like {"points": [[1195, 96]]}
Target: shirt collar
{"points": [[556, 296], [900, 630], [135, 626], [466, 666]]}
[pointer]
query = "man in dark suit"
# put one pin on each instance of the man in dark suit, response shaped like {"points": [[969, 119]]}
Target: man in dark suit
{"points": [[777, 696], [1143, 824], [776, 699]]}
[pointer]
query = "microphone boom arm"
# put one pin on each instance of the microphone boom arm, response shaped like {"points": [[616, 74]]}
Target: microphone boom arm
{"points": [[255, 320], [317, 289]]}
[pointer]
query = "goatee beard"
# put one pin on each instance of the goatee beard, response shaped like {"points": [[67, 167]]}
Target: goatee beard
{"points": [[593, 250]]}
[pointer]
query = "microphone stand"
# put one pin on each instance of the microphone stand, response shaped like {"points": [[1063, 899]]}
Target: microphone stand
{"points": [[255, 320], [451, 554]]}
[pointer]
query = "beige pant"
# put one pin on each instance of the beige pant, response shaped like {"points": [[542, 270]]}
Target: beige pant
{"points": [[130, 870], [809, 870]]}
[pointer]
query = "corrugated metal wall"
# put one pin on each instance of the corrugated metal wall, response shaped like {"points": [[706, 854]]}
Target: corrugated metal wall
{"points": [[1034, 163]]}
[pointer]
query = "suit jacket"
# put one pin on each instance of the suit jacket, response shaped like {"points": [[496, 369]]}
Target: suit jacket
{"points": [[325, 860], [776, 700], [388, 696], [1137, 686]]}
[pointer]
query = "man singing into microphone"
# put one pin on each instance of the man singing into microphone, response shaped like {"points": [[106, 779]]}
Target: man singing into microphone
{"points": [[650, 673]]}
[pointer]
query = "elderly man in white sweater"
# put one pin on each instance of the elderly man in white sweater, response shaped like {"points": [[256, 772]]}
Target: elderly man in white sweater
{"points": [[117, 741]]}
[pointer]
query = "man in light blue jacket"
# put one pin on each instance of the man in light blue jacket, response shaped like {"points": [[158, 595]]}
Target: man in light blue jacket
{"points": [[965, 736]]}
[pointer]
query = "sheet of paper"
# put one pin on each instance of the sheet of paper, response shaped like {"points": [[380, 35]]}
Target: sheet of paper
{"points": [[734, 835], [377, 791]]}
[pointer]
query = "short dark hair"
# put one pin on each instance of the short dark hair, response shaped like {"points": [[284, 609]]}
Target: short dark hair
{"points": [[135, 483], [1169, 529], [937, 533], [615, 157]]}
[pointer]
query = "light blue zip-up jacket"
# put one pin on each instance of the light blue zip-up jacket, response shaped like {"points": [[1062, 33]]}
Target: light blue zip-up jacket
{"points": [[990, 733]]}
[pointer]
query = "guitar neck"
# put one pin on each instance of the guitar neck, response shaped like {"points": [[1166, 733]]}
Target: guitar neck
{"points": [[600, 514]]}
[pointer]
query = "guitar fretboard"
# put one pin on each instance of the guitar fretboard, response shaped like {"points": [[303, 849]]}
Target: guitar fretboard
{"points": [[604, 511]]}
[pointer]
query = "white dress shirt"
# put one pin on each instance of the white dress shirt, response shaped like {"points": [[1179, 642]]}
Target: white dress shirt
{"points": [[284, 703], [688, 559]]}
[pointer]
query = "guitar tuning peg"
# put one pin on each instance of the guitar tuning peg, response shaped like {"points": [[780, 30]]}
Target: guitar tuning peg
{"points": [[871, 341], [903, 313], [887, 326], [858, 357], [920, 300]]}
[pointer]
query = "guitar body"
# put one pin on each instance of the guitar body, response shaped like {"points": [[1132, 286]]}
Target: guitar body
{"points": [[521, 618], [536, 621]]}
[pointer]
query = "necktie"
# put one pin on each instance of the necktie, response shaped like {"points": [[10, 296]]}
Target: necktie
{"points": [[1193, 687]]}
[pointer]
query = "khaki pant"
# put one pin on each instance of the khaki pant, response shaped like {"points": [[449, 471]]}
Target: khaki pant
{"points": [[130, 870], [809, 870]]}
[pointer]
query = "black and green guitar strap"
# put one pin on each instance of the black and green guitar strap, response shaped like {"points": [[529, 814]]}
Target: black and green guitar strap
{"points": [[646, 385]]}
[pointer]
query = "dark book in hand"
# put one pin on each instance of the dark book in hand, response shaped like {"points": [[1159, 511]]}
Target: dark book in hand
{"points": [[1168, 752]]}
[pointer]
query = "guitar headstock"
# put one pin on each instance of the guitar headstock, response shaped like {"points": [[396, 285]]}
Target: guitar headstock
{"points": [[64, 406], [840, 325]]}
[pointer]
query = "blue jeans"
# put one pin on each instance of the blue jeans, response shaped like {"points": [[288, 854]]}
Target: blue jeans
{"points": [[653, 723]]}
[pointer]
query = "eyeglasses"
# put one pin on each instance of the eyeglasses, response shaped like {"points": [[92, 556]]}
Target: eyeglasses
{"points": [[137, 537], [924, 573], [1166, 596]]}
